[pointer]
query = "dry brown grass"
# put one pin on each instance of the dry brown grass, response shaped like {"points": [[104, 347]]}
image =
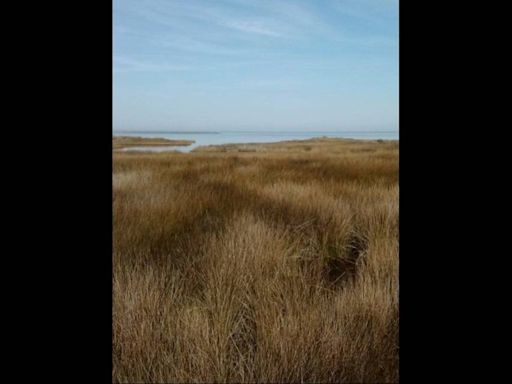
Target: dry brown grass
{"points": [[278, 265], [119, 142]]}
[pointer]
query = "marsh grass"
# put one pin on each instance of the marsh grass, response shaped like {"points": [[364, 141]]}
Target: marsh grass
{"points": [[274, 264], [119, 142]]}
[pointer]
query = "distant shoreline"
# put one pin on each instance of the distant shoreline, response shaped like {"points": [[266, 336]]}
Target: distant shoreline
{"points": [[277, 146], [116, 133], [121, 142]]}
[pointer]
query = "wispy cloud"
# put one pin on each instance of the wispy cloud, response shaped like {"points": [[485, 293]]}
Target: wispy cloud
{"points": [[249, 26], [274, 18], [126, 64], [374, 12], [220, 27]]}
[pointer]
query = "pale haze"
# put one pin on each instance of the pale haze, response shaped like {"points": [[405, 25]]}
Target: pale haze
{"points": [[255, 65]]}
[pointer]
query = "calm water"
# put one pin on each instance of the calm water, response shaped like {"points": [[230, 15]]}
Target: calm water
{"points": [[231, 137]]}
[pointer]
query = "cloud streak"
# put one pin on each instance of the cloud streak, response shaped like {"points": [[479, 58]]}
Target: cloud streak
{"points": [[251, 26], [126, 64]]}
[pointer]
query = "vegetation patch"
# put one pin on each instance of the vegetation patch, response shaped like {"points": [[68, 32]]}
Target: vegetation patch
{"points": [[277, 264]]}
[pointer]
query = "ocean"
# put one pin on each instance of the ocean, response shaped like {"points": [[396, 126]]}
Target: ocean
{"points": [[232, 137]]}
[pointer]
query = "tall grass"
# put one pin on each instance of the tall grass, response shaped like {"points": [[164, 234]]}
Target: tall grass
{"points": [[270, 266]]}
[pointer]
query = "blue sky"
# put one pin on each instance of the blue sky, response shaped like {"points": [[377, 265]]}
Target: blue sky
{"points": [[255, 65]]}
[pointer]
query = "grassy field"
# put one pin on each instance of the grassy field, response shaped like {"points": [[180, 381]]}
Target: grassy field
{"points": [[119, 142], [257, 263]]}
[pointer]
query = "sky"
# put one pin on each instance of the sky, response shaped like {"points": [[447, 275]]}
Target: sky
{"points": [[255, 65]]}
